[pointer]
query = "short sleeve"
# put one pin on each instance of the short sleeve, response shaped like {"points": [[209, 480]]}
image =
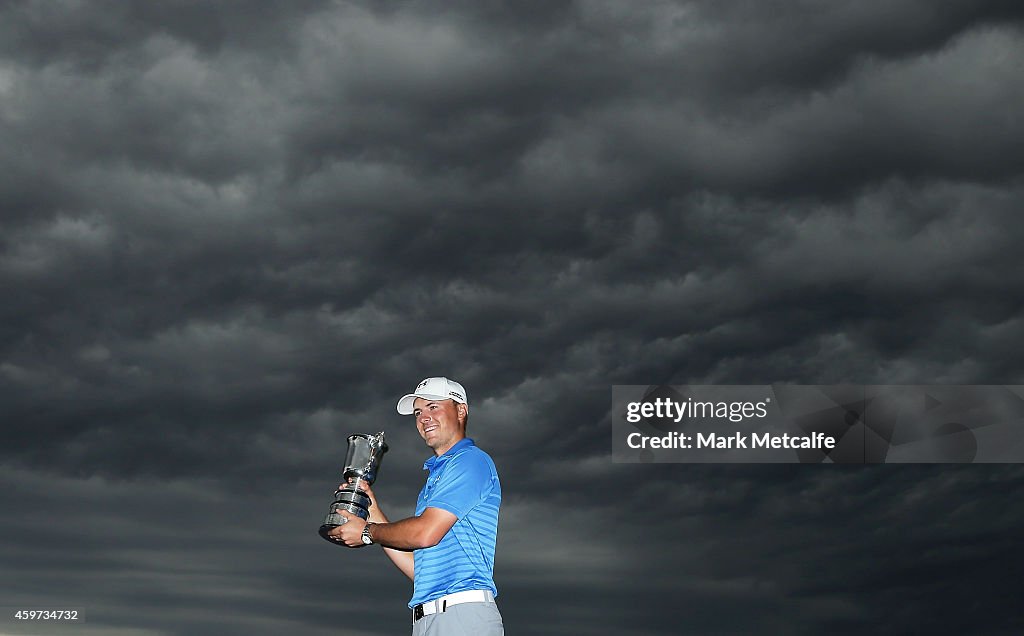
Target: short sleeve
{"points": [[466, 480]]}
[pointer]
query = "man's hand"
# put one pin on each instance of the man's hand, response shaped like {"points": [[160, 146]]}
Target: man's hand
{"points": [[351, 532], [376, 515]]}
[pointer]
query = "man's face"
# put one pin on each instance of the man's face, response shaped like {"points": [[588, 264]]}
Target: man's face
{"points": [[438, 422]]}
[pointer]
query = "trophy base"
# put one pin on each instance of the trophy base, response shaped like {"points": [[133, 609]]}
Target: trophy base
{"points": [[352, 502]]}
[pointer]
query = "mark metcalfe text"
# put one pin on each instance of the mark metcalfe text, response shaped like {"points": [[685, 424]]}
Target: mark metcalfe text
{"points": [[733, 441]]}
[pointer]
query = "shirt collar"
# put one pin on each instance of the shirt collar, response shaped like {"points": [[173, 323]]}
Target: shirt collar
{"points": [[436, 460]]}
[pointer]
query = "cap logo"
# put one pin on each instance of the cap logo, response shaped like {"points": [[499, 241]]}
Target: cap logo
{"points": [[458, 395], [423, 384]]}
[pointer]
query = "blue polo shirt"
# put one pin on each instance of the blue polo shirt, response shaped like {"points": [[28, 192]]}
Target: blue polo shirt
{"points": [[464, 482]]}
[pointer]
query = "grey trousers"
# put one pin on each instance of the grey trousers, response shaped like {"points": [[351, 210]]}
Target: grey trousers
{"points": [[464, 619]]}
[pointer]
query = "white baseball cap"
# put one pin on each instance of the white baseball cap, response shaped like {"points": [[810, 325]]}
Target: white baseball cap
{"points": [[433, 389]]}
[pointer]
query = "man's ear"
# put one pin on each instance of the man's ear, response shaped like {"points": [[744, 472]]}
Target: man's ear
{"points": [[463, 411]]}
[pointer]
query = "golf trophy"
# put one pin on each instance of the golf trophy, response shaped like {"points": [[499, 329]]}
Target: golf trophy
{"points": [[365, 453]]}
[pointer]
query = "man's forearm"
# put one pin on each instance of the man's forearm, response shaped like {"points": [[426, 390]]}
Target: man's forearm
{"points": [[406, 534], [403, 560]]}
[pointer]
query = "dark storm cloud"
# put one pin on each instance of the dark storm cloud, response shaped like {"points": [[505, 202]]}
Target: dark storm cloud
{"points": [[644, 93], [90, 35], [233, 235]]}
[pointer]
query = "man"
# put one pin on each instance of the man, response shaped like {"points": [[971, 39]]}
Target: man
{"points": [[447, 548]]}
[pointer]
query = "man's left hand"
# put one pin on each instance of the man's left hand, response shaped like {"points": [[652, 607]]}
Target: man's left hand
{"points": [[351, 532]]}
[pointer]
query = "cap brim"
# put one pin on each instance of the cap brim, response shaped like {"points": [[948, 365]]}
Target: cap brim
{"points": [[405, 404]]}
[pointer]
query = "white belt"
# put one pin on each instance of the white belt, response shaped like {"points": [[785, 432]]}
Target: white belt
{"points": [[439, 605]]}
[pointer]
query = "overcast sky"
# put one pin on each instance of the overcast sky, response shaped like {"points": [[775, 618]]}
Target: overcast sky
{"points": [[234, 233]]}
